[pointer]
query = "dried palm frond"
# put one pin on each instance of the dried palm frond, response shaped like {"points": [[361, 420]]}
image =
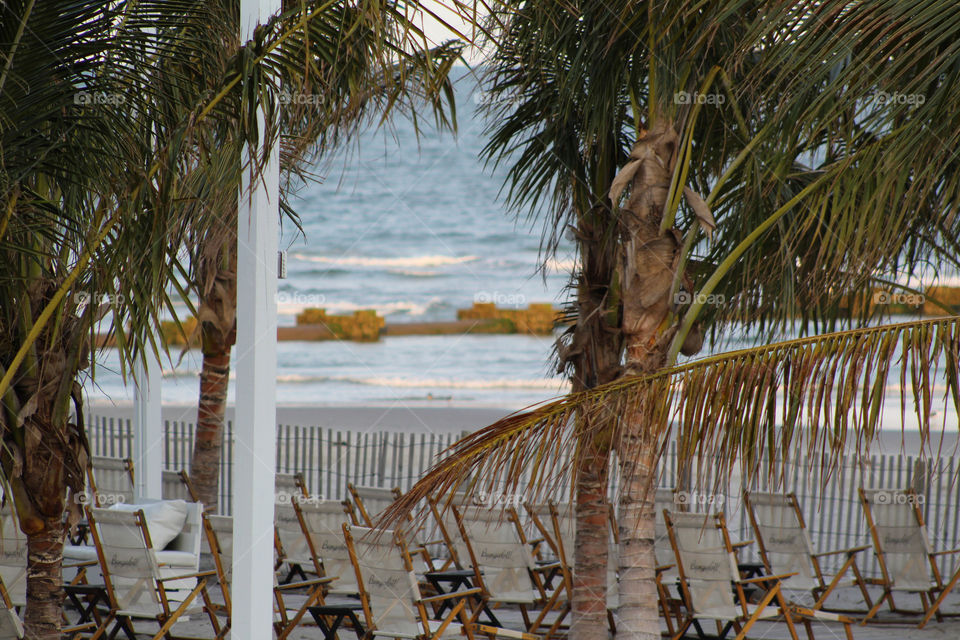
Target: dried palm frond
{"points": [[752, 409]]}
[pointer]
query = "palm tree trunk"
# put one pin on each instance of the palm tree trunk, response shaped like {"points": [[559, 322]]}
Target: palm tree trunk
{"points": [[211, 412], [589, 605], [44, 582], [648, 267], [595, 353], [217, 315]]}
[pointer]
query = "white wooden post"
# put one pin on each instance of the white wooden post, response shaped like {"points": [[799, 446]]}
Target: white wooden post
{"points": [[147, 429], [254, 449]]}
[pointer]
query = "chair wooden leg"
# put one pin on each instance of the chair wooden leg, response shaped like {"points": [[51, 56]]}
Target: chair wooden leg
{"points": [[104, 624], [935, 607], [446, 621], [833, 583], [172, 618], [863, 586], [683, 628], [876, 607]]}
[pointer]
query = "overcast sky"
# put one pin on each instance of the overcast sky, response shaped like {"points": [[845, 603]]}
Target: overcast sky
{"points": [[437, 32]]}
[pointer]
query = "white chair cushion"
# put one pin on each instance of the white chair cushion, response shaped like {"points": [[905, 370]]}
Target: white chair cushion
{"points": [[176, 559], [79, 553], [165, 519]]}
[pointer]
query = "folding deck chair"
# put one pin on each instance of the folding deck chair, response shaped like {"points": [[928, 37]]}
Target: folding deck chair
{"points": [[390, 596], [110, 480], [504, 567], [219, 534], [907, 560], [367, 503], [707, 566], [785, 547], [13, 578], [132, 579], [322, 523]]}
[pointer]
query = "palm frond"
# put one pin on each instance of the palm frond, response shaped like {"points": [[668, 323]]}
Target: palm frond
{"points": [[751, 410]]}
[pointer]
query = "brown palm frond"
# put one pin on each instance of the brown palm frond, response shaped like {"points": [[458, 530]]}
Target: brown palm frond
{"points": [[753, 408]]}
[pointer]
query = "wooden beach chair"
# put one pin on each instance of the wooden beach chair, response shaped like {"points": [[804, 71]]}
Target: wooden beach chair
{"points": [[176, 485], [907, 560], [134, 586], [322, 522], [504, 567], [785, 547], [219, 534], [13, 559], [110, 480], [390, 596], [367, 503], [709, 578], [289, 486]]}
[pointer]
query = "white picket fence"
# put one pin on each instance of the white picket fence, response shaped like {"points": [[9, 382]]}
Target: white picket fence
{"points": [[330, 458]]}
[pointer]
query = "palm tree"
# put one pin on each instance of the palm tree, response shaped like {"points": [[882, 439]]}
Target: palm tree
{"points": [[370, 60], [769, 113], [107, 164]]}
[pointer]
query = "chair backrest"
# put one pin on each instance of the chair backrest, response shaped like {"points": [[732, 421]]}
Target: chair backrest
{"points": [[173, 488], [664, 499], [324, 522], [10, 626], [110, 480], [127, 560], [899, 537], [13, 557], [291, 536], [705, 561], [388, 584], [541, 516], [498, 552], [370, 502], [289, 486], [782, 537], [220, 529]]}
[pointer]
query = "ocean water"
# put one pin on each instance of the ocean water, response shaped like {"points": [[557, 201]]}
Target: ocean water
{"points": [[414, 228]]}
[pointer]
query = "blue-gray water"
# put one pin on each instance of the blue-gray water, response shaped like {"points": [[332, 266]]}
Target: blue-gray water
{"points": [[414, 229]]}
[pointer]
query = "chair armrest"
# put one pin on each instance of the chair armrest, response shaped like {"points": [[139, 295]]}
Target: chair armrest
{"points": [[85, 563], [199, 574], [742, 544], [306, 583], [427, 542], [943, 553], [547, 567], [452, 594], [663, 568], [851, 550], [779, 576], [536, 541]]}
